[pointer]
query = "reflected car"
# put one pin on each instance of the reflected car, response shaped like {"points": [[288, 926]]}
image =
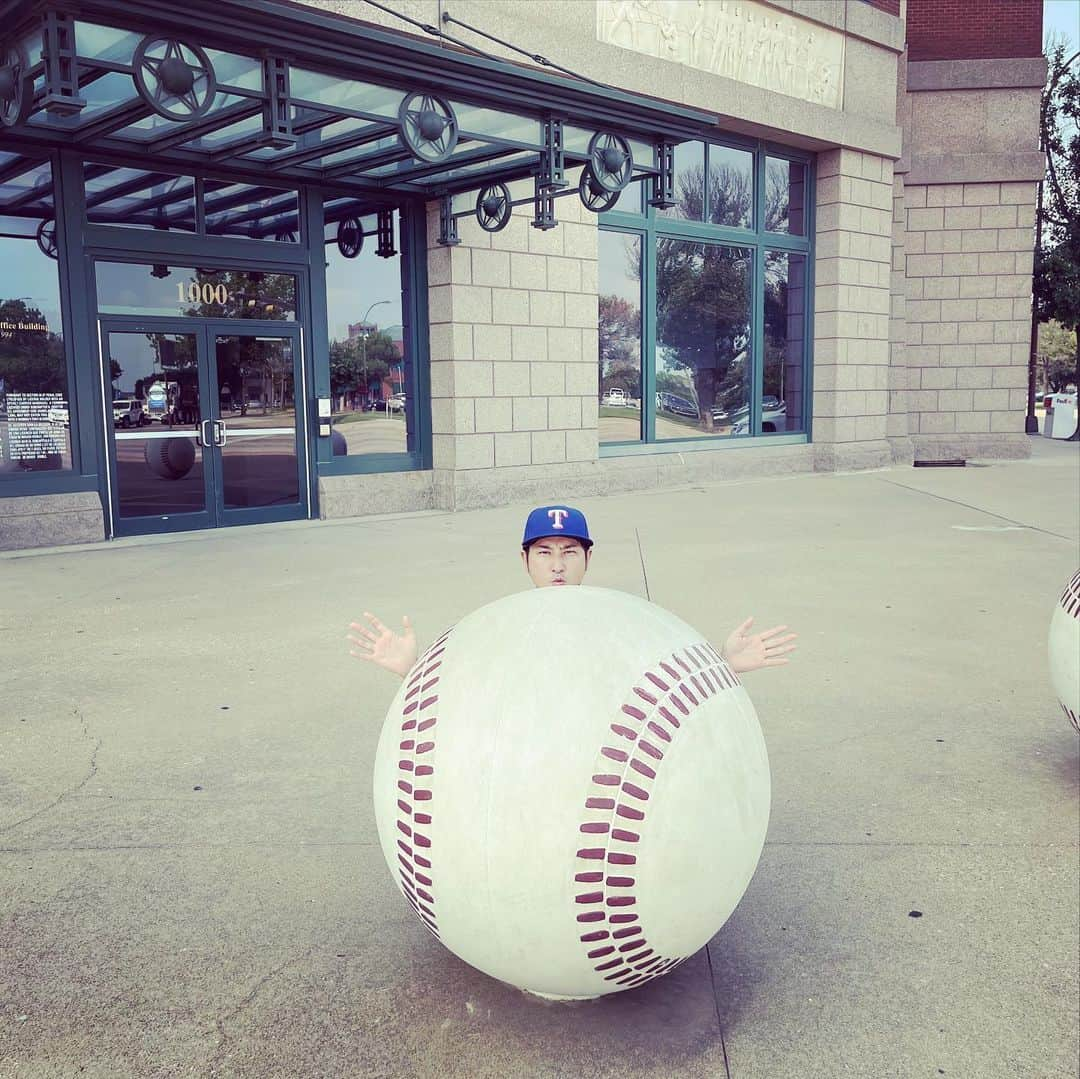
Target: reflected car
{"points": [[773, 417], [58, 413], [395, 402], [676, 405], [127, 412], [615, 396]]}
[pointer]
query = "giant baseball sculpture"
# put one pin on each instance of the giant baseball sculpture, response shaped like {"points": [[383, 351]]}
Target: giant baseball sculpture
{"points": [[572, 791], [1064, 650]]}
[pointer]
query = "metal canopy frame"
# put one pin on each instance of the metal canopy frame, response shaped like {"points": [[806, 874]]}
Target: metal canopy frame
{"points": [[270, 92]]}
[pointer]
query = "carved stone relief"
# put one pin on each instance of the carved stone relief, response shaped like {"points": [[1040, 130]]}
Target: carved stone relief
{"points": [[739, 39]]}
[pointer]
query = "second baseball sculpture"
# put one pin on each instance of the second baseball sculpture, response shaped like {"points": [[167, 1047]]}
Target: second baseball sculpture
{"points": [[572, 791]]}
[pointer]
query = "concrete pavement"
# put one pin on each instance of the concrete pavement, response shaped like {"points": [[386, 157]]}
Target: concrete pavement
{"points": [[190, 883]]}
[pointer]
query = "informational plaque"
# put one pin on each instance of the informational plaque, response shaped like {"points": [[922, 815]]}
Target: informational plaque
{"points": [[739, 39], [30, 435]]}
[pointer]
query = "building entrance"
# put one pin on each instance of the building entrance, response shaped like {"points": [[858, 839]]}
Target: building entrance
{"points": [[201, 424]]}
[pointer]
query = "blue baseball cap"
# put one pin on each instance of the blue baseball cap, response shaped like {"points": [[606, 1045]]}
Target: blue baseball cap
{"points": [[556, 521]]}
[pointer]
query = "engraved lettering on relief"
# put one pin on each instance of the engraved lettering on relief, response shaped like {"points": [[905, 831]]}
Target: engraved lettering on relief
{"points": [[740, 39]]}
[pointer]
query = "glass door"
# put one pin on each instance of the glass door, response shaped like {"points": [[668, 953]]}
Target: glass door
{"points": [[202, 425], [154, 399], [260, 472]]}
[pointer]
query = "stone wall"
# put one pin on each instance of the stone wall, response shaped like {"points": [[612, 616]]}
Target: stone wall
{"points": [[50, 520], [968, 315]]}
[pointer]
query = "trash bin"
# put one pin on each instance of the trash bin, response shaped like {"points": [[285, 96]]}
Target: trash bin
{"points": [[1061, 417]]}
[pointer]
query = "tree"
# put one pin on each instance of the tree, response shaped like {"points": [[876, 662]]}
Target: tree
{"points": [[1056, 283], [1057, 351]]}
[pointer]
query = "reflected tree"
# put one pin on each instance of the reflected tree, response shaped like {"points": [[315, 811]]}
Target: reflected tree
{"points": [[244, 294], [358, 362], [703, 320], [620, 345]]}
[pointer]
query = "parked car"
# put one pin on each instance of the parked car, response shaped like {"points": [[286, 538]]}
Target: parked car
{"points": [[58, 413], [128, 412], [395, 403], [676, 405], [615, 396]]}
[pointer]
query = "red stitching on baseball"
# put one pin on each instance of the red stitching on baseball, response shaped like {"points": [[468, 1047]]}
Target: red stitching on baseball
{"points": [[708, 675], [668, 716]]}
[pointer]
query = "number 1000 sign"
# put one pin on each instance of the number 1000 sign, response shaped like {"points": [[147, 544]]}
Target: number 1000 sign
{"points": [[204, 292]]}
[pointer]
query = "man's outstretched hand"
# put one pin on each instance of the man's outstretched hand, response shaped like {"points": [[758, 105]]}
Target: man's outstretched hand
{"points": [[380, 645], [746, 651]]}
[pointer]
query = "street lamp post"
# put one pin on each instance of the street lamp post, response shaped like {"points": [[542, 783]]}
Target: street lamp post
{"points": [[363, 343]]}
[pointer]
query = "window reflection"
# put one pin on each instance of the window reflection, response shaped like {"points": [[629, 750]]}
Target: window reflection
{"points": [[702, 338], [785, 195], [135, 198], [35, 418], [689, 183], [259, 213], [620, 337], [785, 322], [731, 187], [370, 372], [128, 288]]}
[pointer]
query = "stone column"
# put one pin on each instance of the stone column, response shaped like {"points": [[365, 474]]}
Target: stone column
{"points": [[898, 427], [851, 310], [513, 318]]}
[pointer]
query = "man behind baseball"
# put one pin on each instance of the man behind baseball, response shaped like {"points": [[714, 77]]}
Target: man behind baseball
{"points": [[555, 551]]}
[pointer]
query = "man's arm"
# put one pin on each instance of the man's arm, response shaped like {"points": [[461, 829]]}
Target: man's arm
{"points": [[745, 651], [382, 646]]}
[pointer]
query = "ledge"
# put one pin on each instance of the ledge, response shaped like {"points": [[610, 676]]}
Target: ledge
{"points": [[975, 168], [1005, 74]]}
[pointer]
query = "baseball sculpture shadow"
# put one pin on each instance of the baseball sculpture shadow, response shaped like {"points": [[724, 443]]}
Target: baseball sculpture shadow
{"points": [[665, 1027]]}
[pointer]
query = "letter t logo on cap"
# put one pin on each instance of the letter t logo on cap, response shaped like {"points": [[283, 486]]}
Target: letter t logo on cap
{"points": [[557, 517]]}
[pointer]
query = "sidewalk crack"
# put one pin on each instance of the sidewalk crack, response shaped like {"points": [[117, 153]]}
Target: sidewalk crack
{"points": [[91, 772], [979, 509], [716, 1007]]}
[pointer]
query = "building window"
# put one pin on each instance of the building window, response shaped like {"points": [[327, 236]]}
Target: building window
{"points": [[35, 424], [373, 410], [620, 336], [702, 337], [703, 306]]}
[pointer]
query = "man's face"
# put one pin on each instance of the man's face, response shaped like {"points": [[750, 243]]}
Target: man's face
{"points": [[554, 561]]}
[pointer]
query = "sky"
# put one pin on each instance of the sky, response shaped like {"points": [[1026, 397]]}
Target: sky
{"points": [[1062, 16]]}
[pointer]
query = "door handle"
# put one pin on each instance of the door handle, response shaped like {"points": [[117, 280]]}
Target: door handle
{"points": [[220, 434], [202, 435]]}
